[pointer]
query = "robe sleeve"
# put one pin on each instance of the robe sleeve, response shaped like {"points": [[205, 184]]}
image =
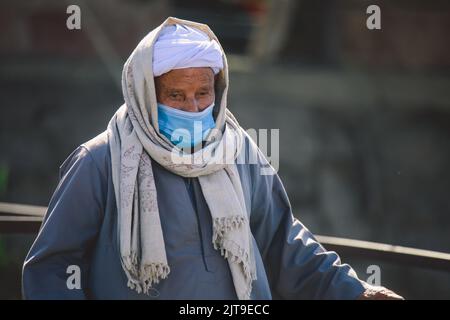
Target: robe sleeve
{"points": [[297, 265], [67, 234]]}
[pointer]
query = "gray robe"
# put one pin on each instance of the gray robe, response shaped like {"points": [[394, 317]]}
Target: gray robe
{"points": [[80, 228]]}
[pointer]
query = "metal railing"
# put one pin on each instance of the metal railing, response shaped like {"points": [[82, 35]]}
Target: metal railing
{"points": [[19, 218]]}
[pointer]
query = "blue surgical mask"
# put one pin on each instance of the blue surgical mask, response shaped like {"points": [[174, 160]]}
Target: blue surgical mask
{"points": [[185, 129]]}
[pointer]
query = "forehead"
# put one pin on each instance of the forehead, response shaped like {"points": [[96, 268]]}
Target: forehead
{"points": [[187, 77]]}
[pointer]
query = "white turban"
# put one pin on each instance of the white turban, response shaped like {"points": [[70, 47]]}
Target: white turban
{"points": [[179, 46]]}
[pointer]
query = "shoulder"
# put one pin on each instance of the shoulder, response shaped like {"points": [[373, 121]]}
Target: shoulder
{"points": [[98, 149], [94, 153]]}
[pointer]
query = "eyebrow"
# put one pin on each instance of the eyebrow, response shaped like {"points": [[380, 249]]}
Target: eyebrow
{"points": [[169, 90], [176, 90]]}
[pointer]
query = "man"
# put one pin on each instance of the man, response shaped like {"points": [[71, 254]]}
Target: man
{"points": [[173, 200]]}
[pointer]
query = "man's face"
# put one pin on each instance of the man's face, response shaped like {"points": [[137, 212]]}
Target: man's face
{"points": [[189, 89]]}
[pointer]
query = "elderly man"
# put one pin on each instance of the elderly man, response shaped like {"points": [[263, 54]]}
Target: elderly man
{"points": [[167, 202]]}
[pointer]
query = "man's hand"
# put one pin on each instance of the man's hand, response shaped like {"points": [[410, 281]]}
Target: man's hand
{"points": [[378, 293]]}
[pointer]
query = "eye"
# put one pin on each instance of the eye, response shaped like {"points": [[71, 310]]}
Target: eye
{"points": [[175, 96]]}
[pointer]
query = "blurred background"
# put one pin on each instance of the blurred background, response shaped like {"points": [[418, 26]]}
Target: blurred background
{"points": [[364, 115]]}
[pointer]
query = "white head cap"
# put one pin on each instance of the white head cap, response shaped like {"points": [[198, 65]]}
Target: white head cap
{"points": [[179, 46]]}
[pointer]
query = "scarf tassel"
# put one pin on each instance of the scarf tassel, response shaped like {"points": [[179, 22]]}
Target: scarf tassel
{"points": [[150, 274], [230, 250]]}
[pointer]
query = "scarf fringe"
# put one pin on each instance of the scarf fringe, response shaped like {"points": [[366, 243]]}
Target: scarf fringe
{"points": [[230, 250], [142, 279], [225, 224]]}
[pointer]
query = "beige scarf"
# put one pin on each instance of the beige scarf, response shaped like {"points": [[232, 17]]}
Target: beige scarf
{"points": [[135, 142]]}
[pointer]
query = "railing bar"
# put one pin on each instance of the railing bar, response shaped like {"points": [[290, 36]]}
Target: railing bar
{"points": [[22, 209], [375, 246]]}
